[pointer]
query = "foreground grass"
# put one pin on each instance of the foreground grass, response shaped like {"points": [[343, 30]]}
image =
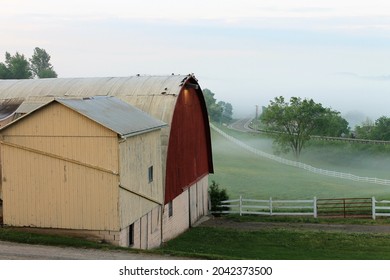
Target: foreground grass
{"points": [[279, 244], [222, 243], [13, 235], [18, 236]]}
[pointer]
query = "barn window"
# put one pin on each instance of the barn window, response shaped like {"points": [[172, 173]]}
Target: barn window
{"points": [[131, 235], [170, 209], [150, 174]]}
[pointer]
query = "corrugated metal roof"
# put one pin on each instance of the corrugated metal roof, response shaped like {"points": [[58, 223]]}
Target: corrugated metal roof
{"points": [[82, 87], [8, 107], [114, 114], [155, 95], [28, 106]]}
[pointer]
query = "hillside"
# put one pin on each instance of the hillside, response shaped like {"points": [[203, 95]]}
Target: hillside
{"points": [[243, 173]]}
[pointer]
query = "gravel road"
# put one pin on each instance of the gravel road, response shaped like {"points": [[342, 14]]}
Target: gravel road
{"points": [[18, 251]]}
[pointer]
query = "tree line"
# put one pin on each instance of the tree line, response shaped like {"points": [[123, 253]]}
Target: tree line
{"points": [[378, 130], [294, 122], [219, 112], [17, 66]]}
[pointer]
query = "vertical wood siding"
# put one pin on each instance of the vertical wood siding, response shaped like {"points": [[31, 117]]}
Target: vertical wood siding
{"points": [[58, 130], [137, 154], [60, 170], [41, 191]]}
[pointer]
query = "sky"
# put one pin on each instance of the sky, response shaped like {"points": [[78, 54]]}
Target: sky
{"points": [[247, 52]]}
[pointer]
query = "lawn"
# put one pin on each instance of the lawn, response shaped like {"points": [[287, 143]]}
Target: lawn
{"points": [[278, 244], [251, 176]]}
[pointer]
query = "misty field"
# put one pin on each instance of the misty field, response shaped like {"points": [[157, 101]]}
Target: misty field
{"points": [[243, 173]]}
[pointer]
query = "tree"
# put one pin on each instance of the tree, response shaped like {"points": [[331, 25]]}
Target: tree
{"points": [[40, 64], [226, 112], [380, 130], [294, 121], [214, 109], [217, 195], [332, 125], [18, 67], [15, 67], [364, 131]]}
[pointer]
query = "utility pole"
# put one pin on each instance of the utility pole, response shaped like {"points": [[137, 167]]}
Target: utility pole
{"points": [[257, 111]]}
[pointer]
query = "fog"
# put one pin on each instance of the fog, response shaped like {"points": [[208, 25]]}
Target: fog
{"points": [[356, 98], [335, 52]]}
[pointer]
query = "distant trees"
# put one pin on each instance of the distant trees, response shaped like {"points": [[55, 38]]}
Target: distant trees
{"points": [[18, 67], [15, 67], [40, 64], [378, 130], [221, 112], [295, 121]]}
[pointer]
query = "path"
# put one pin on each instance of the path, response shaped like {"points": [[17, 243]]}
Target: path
{"points": [[18, 251]]}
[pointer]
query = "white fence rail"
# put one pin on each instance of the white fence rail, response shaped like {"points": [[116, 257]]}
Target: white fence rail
{"points": [[269, 207], [302, 207], [307, 167], [380, 208]]}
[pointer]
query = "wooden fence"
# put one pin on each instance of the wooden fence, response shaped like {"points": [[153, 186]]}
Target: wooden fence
{"points": [[269, 207], [335, 207], [380, 208]]}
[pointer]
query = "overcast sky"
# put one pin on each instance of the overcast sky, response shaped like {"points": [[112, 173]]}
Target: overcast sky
{"points": [[245, 51]]}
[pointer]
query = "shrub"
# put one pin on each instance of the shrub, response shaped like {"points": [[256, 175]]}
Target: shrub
{"points": [[216, 196]]}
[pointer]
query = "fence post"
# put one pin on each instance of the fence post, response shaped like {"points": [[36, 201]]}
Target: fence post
{"points": [[240, 203], [315, 207], [373, 208], [270, 206]]}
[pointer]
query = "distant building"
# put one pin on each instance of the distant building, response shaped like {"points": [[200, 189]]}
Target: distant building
{"points": [[127, 179]]}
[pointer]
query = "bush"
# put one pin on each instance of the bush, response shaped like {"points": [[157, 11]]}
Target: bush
{"points": [[216, 196]]}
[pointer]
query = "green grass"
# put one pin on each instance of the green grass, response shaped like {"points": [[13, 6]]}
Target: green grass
{"points": [[251, 176], [302, 219], [13, 235], [279, 244], [20, 236]]}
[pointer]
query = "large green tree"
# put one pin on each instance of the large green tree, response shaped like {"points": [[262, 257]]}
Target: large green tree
{"points": [[15, 67], [332, 125], [294, 122], [40, 64]]}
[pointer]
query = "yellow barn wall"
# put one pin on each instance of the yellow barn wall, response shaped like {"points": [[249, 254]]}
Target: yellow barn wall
{"points": [[138, 196], [59, 130], [41, 191], [60, 170]]}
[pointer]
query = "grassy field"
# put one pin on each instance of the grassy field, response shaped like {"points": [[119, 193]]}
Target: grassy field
{"points": [[279, 244], [243, 173], [229, 244]]}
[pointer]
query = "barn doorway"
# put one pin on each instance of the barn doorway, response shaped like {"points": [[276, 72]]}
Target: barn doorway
{"points": [[1, 212]]}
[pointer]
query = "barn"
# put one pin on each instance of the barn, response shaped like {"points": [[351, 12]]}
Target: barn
{"points": [[184, 148]]}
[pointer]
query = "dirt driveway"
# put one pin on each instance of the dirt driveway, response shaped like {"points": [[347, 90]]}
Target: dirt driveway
{"points": [[18, 251]]}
